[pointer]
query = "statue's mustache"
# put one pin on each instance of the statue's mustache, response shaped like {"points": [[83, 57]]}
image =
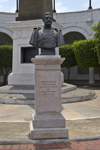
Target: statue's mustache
{"points": [[49, 21]]}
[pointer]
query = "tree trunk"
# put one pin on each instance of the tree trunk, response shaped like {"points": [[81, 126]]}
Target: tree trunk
{"points": [[99, 71], [69, 71], [5, 72]]}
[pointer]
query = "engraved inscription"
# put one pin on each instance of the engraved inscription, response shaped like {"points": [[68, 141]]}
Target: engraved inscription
{"points": [[48, 87], [48, 93]]}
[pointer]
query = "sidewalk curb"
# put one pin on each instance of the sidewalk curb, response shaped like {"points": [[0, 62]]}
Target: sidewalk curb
{"points": [[49, 141], [79, 98]]}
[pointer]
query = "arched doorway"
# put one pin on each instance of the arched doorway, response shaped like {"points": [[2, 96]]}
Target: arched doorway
{"points": [[72, 36], [69, 38], [5, 39]]}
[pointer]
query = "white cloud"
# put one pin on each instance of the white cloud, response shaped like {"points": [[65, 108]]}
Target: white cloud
{"points": [[85, 5], [2, 8], [1, 1], [96, 3], [61, 8], [13, 9]]}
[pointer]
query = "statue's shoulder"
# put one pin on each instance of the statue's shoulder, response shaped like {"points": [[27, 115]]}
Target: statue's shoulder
{"points": [[37, 28], [57, 29]]}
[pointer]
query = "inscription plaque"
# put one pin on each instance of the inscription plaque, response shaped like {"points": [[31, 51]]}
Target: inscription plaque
{"points": [[48, 87], [48, 91]]}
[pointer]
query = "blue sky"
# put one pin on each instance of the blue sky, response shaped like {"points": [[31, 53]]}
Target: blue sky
{"points": [[61, 5]]}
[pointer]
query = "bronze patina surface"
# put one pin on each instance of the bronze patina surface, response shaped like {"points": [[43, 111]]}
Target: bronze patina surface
{"points": [[47, 38]]}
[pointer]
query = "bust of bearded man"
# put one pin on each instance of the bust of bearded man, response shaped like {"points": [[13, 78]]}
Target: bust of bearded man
{"points": [[47, 38]]}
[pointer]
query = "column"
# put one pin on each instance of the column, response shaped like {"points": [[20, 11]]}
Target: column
{"points": [[91, 75]]}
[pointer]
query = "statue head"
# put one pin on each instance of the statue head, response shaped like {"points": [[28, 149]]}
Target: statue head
{"points": [[47, 18]]}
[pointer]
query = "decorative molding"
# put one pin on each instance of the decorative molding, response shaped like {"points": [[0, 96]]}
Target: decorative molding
{"points": [[31, 24], [89, 22], [47, 61], [28, 32], [19, 33], [77, 29]]}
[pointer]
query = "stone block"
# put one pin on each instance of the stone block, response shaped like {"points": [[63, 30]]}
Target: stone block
{"points": [[48, 133], [48, 121]]}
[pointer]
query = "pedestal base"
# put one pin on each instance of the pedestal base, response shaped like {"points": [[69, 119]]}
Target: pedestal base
{"points": [[47, 122], [48, 133]]}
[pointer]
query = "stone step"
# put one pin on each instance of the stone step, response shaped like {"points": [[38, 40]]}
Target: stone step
{"points": [[29, 89], [78, 96], [26, 99], [68, 87], [17, 89]]}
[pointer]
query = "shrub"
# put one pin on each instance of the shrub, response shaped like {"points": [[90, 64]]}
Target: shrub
{"points": [[5, 61], [85, 54], [67, 52], [96, 28]]}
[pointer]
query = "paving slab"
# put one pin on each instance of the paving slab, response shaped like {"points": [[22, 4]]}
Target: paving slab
{"points": [[77, 110]]}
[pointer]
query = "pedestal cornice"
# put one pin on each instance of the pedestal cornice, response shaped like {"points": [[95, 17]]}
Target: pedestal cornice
{"points": [[47, 61]]}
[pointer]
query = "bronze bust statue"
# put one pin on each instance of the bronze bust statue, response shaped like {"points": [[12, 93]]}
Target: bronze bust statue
{"points": [[47, 38]]}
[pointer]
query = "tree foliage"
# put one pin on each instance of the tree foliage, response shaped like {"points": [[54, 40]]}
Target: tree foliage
{"points": [[96, 28], [67, 52], [5, 61], [85, 54]]}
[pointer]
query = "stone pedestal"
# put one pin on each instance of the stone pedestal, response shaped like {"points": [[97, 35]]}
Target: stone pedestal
{"points": [[47, 122]]}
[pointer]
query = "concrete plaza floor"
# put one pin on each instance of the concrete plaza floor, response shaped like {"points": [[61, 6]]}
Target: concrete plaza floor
{"points": [[82, 120]]}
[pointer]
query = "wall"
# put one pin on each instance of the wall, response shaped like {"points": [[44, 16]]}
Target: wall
{"points": [[80, 21], [4, 19], [4, 29]]}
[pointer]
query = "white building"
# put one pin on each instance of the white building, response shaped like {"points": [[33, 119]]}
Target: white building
{"points": [[76, 25]]}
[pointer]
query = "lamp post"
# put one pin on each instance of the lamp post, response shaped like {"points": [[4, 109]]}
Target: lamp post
{"points": [[54, 7], [90, 7], [16, 6]]}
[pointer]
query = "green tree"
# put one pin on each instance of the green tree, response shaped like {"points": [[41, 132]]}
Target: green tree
{"points": [[67, 52], [5, 61], [96, 28], [85, 54]]}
